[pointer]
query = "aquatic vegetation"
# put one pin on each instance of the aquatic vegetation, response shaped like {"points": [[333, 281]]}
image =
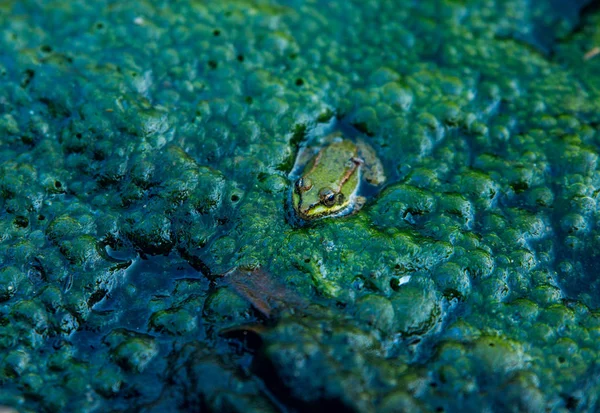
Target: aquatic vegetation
{"points": [[146, 150]]}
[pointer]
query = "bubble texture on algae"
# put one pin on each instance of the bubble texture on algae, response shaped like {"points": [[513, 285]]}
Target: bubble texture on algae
{"points": [[144, 153]]}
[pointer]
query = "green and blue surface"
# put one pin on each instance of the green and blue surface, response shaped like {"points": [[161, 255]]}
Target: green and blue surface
{"points": [[144, 152]]}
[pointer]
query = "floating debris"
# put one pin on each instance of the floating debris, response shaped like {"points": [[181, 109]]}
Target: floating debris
{"points": [[593, 52], [262, 291]]}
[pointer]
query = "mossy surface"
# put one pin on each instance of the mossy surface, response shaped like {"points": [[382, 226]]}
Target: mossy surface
{"points": [[146, 263]]}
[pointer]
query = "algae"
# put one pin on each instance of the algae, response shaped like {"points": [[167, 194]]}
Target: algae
{"points": [[144, 154]]}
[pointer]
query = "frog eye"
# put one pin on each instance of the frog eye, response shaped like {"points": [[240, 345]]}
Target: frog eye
{"points": [[354, 162], [327, 197], [303, 184]]}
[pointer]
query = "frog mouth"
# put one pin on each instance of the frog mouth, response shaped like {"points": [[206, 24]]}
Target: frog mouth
{"points": [[319, 211], [304, 212]]}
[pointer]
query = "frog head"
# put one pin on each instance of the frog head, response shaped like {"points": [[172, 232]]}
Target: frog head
{"points": [[329, 182]]}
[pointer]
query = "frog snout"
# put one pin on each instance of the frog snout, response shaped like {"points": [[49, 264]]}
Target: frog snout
{"points": [[304, 208]]}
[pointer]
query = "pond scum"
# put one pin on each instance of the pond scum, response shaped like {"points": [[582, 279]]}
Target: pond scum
{"points": [[146, 263]]}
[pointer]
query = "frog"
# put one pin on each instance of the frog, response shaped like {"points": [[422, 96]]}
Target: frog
{"points": [[328, 178]]}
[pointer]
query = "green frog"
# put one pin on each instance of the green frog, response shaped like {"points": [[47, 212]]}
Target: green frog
{"points": [[328, 178]]}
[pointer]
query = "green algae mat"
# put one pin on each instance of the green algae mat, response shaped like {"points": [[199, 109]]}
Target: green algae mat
{"points": [[149, 256]]}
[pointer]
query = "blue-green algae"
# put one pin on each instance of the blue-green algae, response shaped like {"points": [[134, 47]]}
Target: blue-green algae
{"points": [[144, 153]]}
